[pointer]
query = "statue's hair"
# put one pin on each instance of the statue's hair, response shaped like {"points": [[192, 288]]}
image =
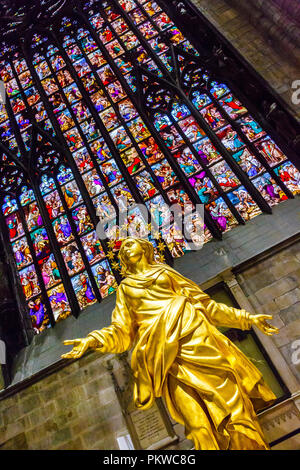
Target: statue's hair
{"points": [[147, 248]]}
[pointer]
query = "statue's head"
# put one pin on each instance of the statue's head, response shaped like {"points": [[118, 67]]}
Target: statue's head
{"points": [[133, 250]]}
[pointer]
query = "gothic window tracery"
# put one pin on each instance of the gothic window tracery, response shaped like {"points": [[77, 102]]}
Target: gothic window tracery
{"points": [[110, 105]]}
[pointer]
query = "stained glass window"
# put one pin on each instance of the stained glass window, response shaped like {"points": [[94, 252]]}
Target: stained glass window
{"points": [[108, 107]]}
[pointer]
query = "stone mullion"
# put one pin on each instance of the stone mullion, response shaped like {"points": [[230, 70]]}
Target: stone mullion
{"points": [[96, 164], [11, 116], [70, 158], [219, 146], [130, 94], [78, 179], [210, 175], [85, 196], [71, 162], [123, 123], [236, 168], [253, 149], [207, 170], [15, 280], [288, 151], [65, 278], [260, 118], [270, 95], [245, 101], [103, 131], [45, 100], [87, 146], [134, 143], [161, 34], [208, 132], [18, 162], [144, 41], [175, 62], [99, 123], [210, 223], [77, 239], [43, 290], [21, 89]]}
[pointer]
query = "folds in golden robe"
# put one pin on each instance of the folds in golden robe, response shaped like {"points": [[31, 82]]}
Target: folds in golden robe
{"points": [[172, 326]]}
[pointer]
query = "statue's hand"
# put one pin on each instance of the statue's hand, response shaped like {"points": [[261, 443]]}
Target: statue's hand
{"points": [[81, 345], [261, 322]]}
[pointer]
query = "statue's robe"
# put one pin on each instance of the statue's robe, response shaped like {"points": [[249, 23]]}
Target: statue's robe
{"points": [[171, 324]]}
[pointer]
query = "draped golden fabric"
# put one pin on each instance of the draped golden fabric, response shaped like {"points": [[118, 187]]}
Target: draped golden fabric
{"points": [[208, 384]]}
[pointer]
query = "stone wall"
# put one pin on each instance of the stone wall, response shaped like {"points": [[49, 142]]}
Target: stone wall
{"points": [[245, 26], [74, 408], [272, 286]]}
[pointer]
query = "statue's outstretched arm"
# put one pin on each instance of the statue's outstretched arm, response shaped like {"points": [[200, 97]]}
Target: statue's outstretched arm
{"points": [[116, 338], [223, 315], [220, 314], [80, 346]]}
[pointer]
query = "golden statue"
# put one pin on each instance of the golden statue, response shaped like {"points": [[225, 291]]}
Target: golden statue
{"points": [[208, 385]]}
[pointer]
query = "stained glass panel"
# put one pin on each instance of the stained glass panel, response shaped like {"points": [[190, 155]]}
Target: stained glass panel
{"points": [[137, 119]]}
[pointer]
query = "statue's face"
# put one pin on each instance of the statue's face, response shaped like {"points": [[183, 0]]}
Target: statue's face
{"points": [[132, 250]]}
